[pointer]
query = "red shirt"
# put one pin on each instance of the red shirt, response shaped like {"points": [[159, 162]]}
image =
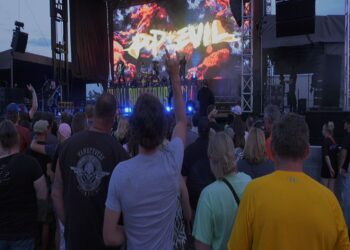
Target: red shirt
{"points": [[268, 148], [25, 137]]}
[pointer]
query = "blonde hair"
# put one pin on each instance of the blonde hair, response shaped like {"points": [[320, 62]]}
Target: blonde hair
{"points": [[221, 155], [329, 127], [122, 129], [254, 150]]}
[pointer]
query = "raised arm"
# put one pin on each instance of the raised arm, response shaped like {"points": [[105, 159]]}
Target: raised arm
{"points": [[37, 147], [34, 106], [179, 105]]}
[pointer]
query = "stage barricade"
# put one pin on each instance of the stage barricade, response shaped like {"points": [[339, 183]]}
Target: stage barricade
{"points": [[127, 96]]}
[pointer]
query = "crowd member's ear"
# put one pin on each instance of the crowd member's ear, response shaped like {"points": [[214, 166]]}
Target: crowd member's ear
{"points": [[306, 153], [273, 153]]}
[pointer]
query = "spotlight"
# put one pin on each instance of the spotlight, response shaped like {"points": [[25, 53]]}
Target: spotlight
{"points": [[127, 110], [168, 109], [190, 107]]}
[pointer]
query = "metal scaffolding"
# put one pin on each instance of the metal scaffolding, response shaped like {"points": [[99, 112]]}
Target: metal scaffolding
{"points": [[59, 43], [247, 57], [347, 59]]}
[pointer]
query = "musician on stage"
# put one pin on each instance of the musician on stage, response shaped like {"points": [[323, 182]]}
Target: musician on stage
{"points": [[143, 69], [120, 71], [155, 68], [205, 98], [143, 74], [53, 97], [183, 63]]}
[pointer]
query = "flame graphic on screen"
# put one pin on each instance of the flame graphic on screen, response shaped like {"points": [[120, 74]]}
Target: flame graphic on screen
{"points": [[145, 15], [211, 61], [143, 19]]}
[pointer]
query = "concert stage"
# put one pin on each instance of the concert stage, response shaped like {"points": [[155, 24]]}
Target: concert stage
{"points": [[127, 95]]}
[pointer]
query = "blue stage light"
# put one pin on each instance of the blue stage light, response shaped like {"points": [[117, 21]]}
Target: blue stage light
{"points": [[190, 109], [127, 110], [168, 109]]}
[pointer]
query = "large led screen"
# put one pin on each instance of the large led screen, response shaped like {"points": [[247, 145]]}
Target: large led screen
{"points": [[202, 31]]}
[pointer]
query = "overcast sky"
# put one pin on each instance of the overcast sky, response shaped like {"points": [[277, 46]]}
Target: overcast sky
{"points": [[35, 14], [36, 17]]}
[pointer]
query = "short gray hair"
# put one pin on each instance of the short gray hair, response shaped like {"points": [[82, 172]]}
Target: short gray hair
{"points": [[272, 113], [290, 137]]}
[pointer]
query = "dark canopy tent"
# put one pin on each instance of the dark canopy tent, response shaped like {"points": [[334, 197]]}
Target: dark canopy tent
{"points": [[328, 29], [19, 69], [25, 67], [321, 53], [302, 51]]}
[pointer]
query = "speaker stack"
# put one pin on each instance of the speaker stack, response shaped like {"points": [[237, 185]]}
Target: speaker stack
{"points": [[19, 41], [295, 17]]}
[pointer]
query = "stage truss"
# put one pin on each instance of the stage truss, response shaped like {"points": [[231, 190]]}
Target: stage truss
{"points": [[247, 57], [59, 43], [347, 59]]}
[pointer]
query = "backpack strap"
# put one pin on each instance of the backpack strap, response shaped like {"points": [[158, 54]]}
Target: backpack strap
{"points": [[232, 190]]}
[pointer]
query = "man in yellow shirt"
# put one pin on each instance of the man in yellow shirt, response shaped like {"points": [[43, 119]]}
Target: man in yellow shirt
{"points": [[287, 210]]}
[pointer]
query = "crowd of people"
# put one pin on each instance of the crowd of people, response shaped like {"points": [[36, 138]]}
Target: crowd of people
{"points": [[154, 180]]}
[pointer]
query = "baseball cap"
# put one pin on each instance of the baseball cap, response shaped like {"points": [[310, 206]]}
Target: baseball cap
{"points": [[12, 108], [40, 126], [237, 110], [64, 130]]}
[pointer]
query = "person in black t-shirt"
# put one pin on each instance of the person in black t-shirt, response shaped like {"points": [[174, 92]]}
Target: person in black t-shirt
{"points": [[196, 165], [212, 112], [23, 192], [40, 130], [345, 149], [330, 150], [205, 98], [84, 168]]}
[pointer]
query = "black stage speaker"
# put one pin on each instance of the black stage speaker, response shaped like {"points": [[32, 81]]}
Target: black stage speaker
{"points": [[19, 41], [332, 77], [295, 17]]}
